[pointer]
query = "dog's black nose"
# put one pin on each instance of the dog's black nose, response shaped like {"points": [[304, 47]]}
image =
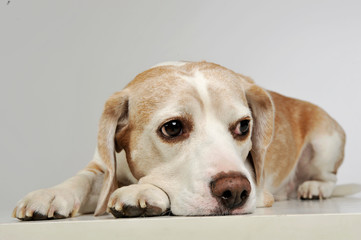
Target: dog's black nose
{"points": [[231, 189]]}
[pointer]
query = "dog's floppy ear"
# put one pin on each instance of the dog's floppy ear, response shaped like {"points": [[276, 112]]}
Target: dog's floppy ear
{"points": [[262, 109], [113, 123]]}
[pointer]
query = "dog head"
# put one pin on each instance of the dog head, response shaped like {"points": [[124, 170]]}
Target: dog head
{"points": [[198, 131]]}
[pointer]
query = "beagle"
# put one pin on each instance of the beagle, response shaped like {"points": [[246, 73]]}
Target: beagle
{"points": [[195, 138]]}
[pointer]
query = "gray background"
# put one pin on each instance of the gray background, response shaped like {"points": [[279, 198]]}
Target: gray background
{"points": [[60, 60]]}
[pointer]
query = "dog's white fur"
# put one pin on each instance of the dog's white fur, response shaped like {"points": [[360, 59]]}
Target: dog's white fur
{"points": [[150, 175]]}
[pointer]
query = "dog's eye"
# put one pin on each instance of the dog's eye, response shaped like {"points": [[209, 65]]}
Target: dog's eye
{"points": [[242, 127], [172, 129]]}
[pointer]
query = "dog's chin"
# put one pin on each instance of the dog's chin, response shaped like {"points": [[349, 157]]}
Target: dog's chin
{"points": [[237, 211], [217, 210]]}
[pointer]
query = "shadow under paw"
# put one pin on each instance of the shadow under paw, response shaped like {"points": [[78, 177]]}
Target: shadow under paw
{"points": [[312, 198], [134, 211], [38, 216]]}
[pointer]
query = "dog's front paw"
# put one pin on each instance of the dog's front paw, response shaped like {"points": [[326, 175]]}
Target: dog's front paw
{"points": [[52, 203], [138, 200], [315, 190]]}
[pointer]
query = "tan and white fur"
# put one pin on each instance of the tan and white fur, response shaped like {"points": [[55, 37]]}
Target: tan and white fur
{"points": [[293, 149]]}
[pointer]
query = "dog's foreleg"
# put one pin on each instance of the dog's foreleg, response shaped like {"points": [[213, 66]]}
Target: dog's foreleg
{"points": [[77, 194], [138, 200]]}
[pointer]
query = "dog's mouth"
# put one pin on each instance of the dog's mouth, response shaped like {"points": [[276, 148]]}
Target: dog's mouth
{"points": [[212, 207]]}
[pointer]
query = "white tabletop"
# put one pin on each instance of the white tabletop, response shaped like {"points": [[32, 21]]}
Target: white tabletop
{"points": [[337, 218]]}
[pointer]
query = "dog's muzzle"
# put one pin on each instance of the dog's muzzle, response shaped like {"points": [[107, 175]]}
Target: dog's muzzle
{"points": [[230, 189]]}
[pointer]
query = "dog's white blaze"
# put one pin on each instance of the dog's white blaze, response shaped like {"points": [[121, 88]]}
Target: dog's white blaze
{"points": [[216, 141], [170, 63], [199, 82]]}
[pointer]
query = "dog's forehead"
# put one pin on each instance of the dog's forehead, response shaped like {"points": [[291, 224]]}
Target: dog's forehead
{"points": [[182, 83]]}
